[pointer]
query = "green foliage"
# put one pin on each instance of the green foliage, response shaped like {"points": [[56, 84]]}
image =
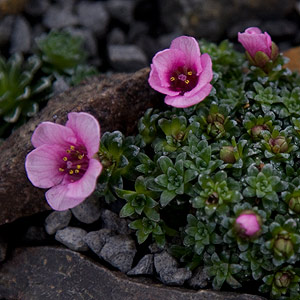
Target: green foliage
{"points": [[60, 51], [21, 89], [26, 83], [195, 170]]}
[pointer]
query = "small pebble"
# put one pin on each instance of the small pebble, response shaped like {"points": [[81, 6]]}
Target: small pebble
{"points": [[119, 251], [112, 221], [96, 239], [56, 18], [127, 58], [20, 36], [57, 220], [93, 16], [72, 238], [88, 211], [199, 279], [144, 266], [167, 268]]}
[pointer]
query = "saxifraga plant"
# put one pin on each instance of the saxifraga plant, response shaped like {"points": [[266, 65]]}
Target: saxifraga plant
{"points": [[223, 175]]}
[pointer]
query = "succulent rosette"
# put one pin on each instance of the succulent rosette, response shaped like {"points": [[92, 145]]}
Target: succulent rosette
{"points": [[64, 160]]}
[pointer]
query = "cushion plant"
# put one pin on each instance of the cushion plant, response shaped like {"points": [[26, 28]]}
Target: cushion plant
{"points": [[215, 178]]}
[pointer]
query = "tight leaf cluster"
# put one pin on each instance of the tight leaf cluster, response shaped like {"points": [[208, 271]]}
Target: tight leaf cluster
{"points": [[26, 83], [195, 170]]}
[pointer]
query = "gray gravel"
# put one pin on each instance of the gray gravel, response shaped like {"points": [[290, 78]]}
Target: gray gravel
{"points": [[199, 279], [72, 238], [88, 211], [167, 268], [127, 58], [20, 36], [56, 18], [112, 221], [119, 251], [57, 220], [96, 239], [144, 266], [93, 16]]}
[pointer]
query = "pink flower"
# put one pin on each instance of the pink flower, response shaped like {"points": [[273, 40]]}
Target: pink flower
{"points": [[64, 160], [248, 224], [259, 46], [182, 73]]}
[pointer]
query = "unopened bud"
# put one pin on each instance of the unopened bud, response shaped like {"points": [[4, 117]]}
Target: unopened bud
{"points": [[279, 144], [248, 224], [256, 130], [283, 245], [283, 279], [227, 154], [212, 118], [294, 204]]}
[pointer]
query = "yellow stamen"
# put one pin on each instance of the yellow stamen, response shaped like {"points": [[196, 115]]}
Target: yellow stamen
{"points": [[65, 158], [78, 166], [71, 172], [72, 147], [172, 78], [68, 151], [76, 171], [61, 169], [187, 81], [80, 156], [190, 73]]}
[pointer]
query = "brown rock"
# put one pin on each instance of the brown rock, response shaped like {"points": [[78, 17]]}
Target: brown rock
{"points": [[56, 273], [117, 101], [11, 6], [294, 55]]}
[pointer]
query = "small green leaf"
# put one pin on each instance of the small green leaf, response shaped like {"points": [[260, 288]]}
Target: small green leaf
{"points": [[126, 211], [166, 197]]}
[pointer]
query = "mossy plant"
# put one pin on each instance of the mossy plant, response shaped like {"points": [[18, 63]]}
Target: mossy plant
{"points": [[197, 169]]}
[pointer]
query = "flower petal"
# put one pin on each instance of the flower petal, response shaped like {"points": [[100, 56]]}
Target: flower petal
{"points": [[205, 77], [155, 83], [190, 47], [166, 62], [183, 101], [87, 130], [42, 166], [68, 195], [50, 133], [87, 184], [253, 30], [58, 200]]}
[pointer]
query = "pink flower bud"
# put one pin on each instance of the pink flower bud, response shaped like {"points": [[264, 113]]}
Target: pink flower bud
{"points": [[259, 46], [248, 224]]}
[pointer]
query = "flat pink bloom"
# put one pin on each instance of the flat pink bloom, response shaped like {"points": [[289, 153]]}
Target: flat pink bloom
{"points": [[253, 40], [248, 223], [182, 73], [64, 160]]}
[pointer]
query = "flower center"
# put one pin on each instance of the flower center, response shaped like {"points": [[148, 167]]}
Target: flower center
{"points": [[74, 163], [183, 80]]}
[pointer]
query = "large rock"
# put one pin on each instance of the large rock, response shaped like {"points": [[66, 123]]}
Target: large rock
{"points": [[117, 101], [54, 273]]}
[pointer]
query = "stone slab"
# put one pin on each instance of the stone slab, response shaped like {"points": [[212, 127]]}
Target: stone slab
{"points": [[36, 273]]}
